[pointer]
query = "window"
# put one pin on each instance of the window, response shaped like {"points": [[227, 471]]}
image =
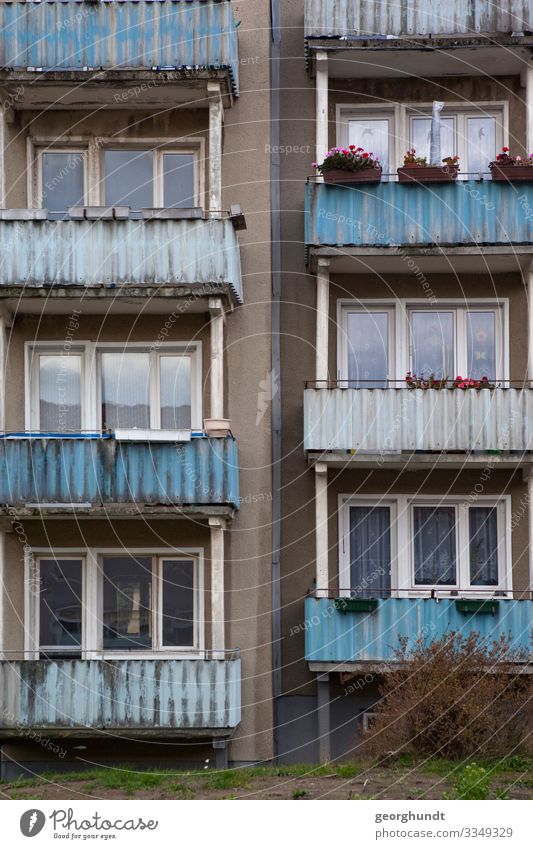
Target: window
{"points": [[422, 543], [469, 340], [475, 133], [475, 137], [115, 173], [62, 179], [136, 602], [137, 388], [60, 606], [149, 178]]}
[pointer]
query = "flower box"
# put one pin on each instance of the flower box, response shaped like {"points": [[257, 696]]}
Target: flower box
{"points": [[356, 605], [217, 427], [477, 606], [427, 174], [342, 176], [511, 173]]}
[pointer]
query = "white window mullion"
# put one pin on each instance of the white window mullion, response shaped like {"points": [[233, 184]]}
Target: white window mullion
{"points": [[92, 607], [463, 547], [157, 603], [31, 606], [461, 345], [155, 390]]}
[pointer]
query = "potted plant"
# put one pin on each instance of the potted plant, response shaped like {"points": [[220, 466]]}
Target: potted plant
{"points": [[347, 165], [415, 169], [511, 168], [418, 381], [217, 427]]}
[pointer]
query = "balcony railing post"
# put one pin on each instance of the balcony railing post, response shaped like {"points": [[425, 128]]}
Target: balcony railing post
{"points": [[322, 319], [217, 358], [321, 524], [322, 124], [216, 118], [217, 526]]}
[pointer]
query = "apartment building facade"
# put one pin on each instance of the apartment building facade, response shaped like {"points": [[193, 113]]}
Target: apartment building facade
{"points": [[134, 339], [405, 509]]}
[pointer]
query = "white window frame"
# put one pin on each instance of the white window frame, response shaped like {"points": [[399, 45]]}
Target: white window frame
{"points": [[94, 174], [343, 344], [92, 601], [91, 412], [400, 353], [32, 578], [400, 115], [402, 542]]}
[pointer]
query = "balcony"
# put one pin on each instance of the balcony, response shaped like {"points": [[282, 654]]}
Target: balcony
{"points": [[115, 259], [161, 43], [398, 426], [472, 225], [418, 31], [54, 474], [332, 636], [138, 697]]}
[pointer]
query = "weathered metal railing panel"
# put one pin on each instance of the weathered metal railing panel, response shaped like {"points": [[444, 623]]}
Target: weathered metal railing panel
{"points": [[120, 694], [105, 471], [395, 214], [129, 34], [418, 420], [332, 636], [111, 252], [342, 18]]}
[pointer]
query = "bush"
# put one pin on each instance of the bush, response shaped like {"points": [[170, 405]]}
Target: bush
{"points": [[445, 699]]}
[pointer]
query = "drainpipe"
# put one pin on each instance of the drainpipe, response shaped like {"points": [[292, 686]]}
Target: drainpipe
{"points": [[275, 218]]}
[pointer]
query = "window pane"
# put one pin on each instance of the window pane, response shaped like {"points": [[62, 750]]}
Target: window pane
{"points": [[125, 390], [481, 144], [175, 392], [178, 603], [368, 349], [60, 603], [481, 329], [178, 180], [434, 545], [373, 135], [129, 176], [433, 344], [370, 551], [483, 546], [127, 602], [421, 136], [63, 181], [59, 392]]}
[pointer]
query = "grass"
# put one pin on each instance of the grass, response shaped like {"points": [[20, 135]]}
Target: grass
{"points": [[194, 783]]}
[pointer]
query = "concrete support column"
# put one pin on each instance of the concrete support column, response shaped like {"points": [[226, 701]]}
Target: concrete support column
{"points": [[218, 640], [530, 525], [324, 718], [221, 753], [322, 83], [4, 114], [3, 354], [31, 607], [527, 80], [216, 119], [321, 528], [322, 319], [3, 600], [217, 358], [529, 292]]}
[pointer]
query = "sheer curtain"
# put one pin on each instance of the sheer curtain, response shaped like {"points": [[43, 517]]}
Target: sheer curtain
{"points": [[370, 551], [434, 545], [125, 390], [59, 392], [483, 523]]}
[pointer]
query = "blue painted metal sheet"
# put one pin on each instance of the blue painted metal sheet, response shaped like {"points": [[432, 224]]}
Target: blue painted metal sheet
{"points": [[343, 18], [106, 252], [392, 214], [331, 636], [147, 695], [70, 35], [105, 471]]}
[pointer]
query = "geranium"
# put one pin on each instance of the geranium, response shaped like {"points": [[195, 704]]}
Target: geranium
{"points": [[418, 381], [347, 159], [506, 158]]}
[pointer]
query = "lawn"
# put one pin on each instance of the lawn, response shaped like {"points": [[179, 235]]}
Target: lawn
{"points": [[402, 778]]}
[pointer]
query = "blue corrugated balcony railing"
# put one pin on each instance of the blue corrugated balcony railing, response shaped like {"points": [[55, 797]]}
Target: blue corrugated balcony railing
{"points": [[106, 252], [389, 214], [99, 471], [150, 697], [345, 18], [333, 636], [191, 35]]}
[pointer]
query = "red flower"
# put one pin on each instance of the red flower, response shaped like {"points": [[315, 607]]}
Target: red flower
{"points": [[365, 155], [505, 149]]}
